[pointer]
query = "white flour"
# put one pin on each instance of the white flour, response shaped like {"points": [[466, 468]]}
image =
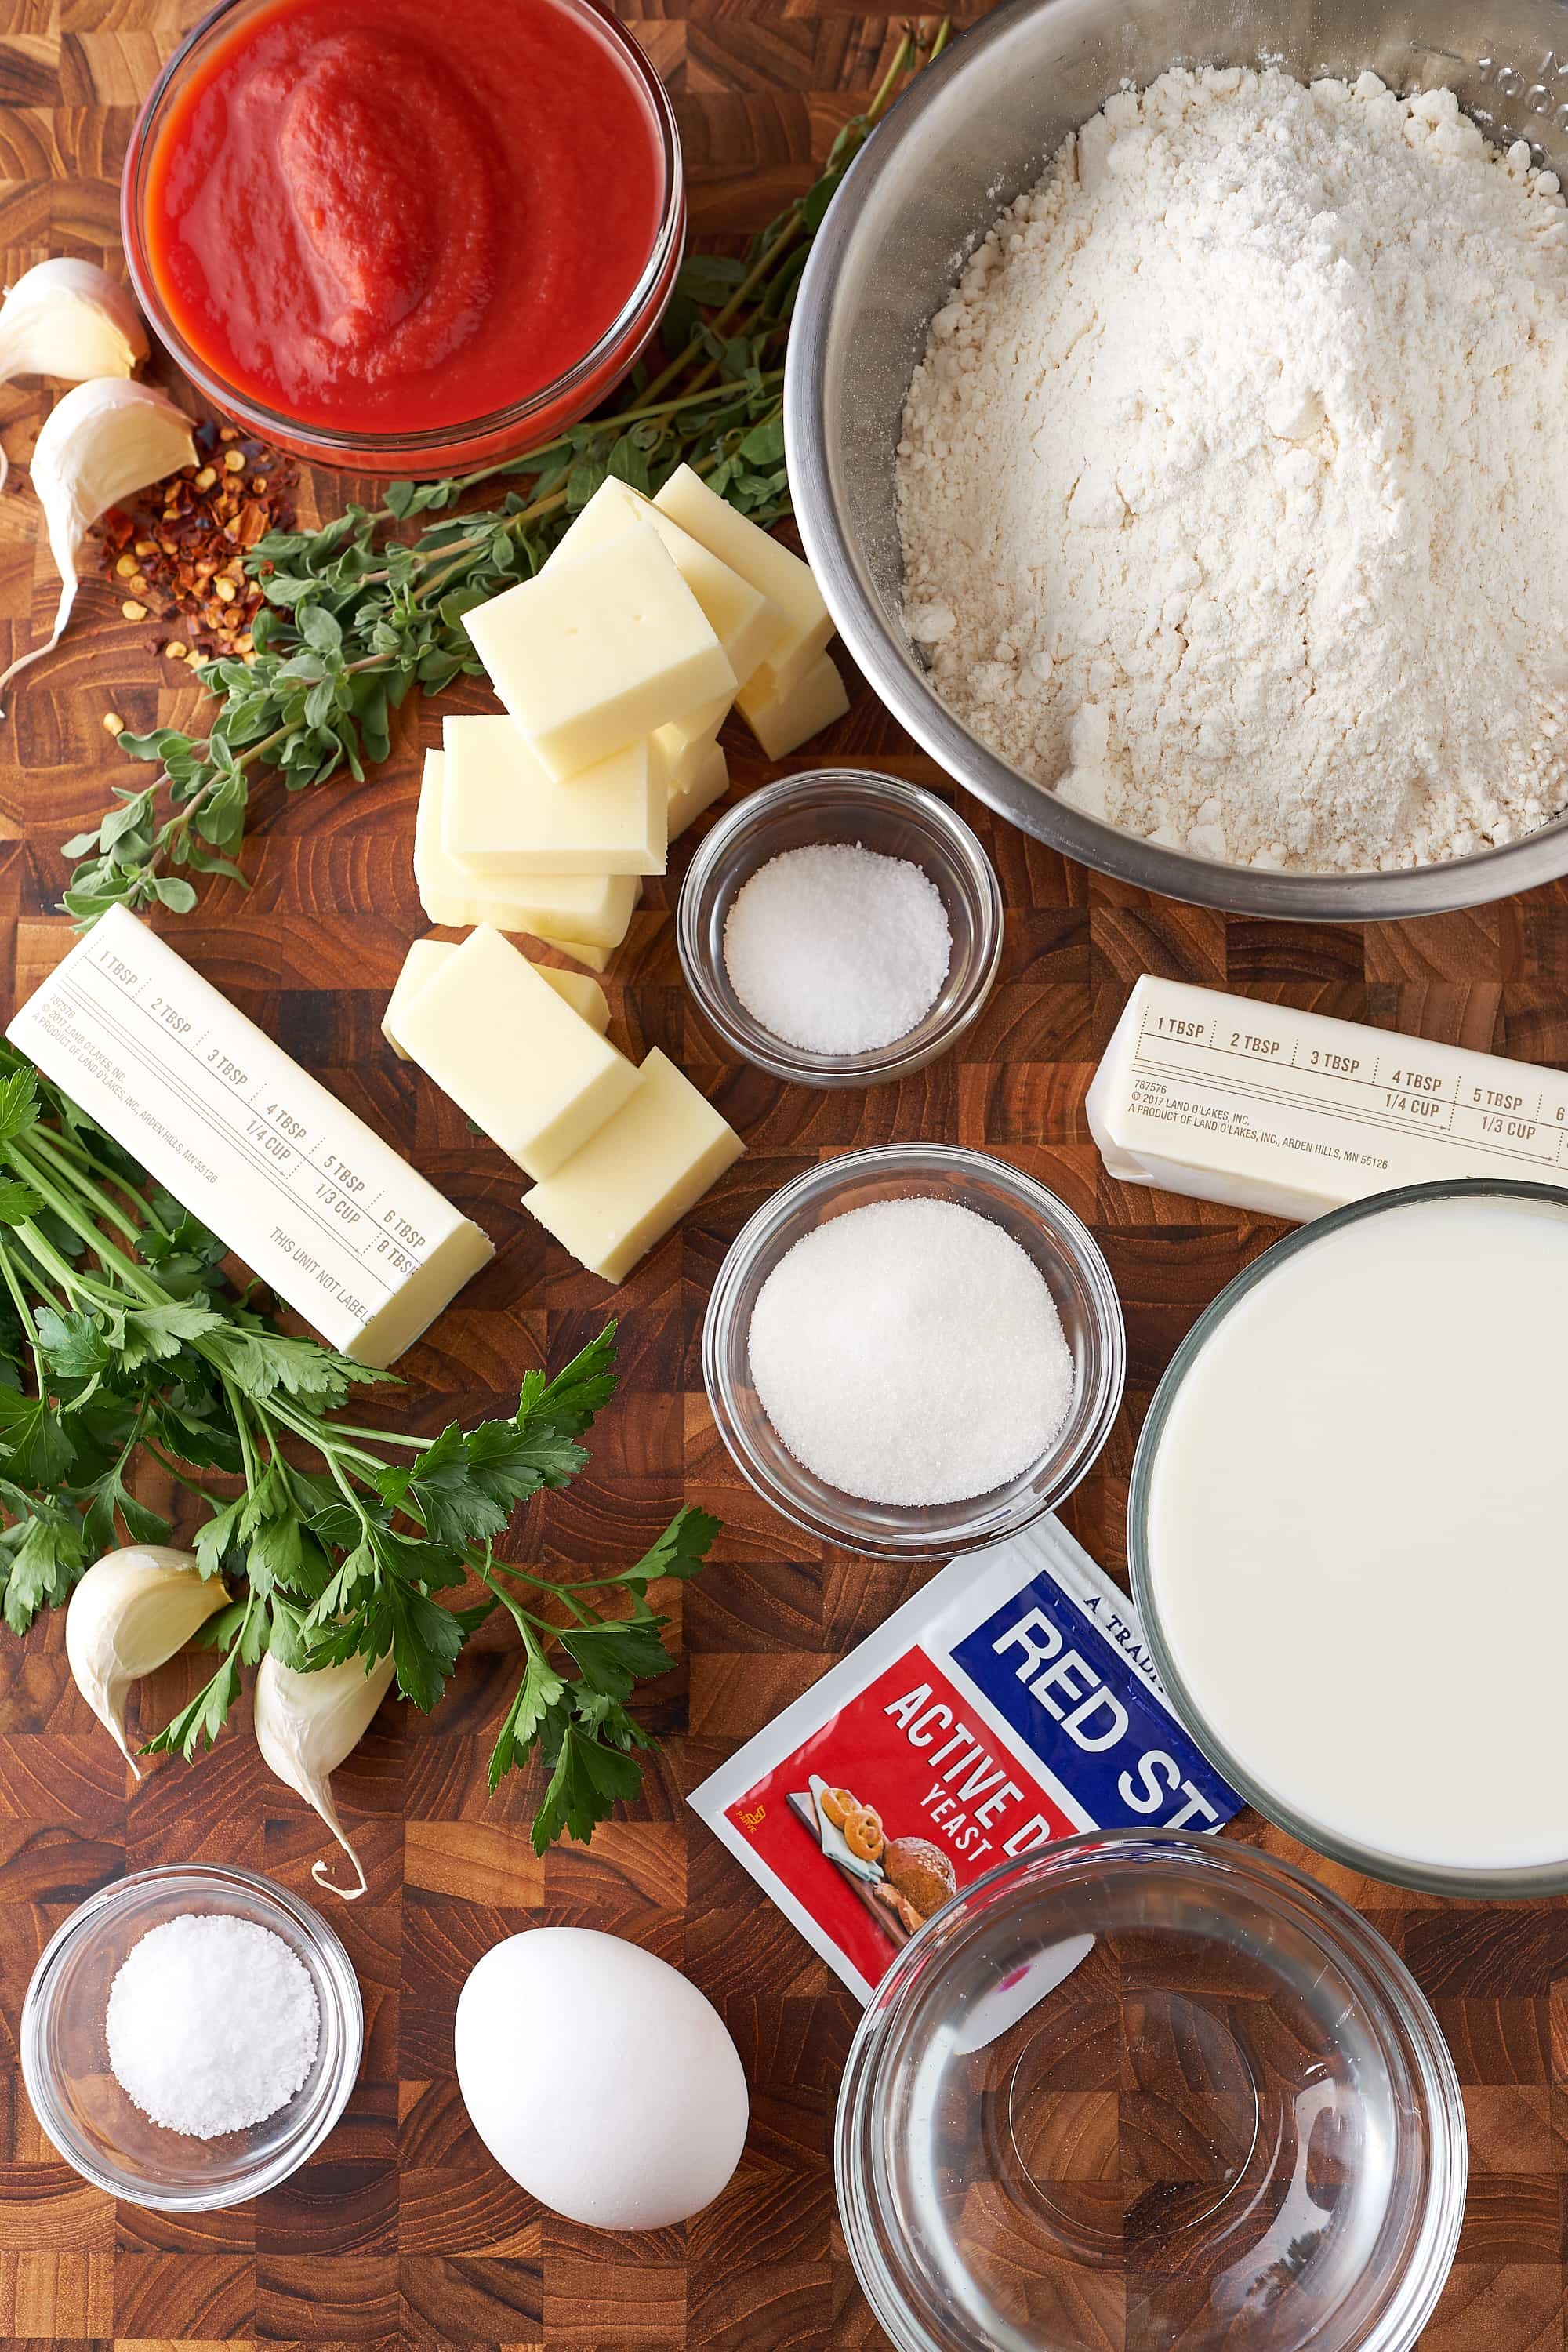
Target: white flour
{"points": [[1233, 490]]}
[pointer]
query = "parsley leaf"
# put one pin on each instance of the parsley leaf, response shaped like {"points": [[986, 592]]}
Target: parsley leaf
{"points": [[589, 1781]]}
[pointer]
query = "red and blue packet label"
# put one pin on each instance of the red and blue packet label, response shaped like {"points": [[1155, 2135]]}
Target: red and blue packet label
{"points": [[1010, 1702]]}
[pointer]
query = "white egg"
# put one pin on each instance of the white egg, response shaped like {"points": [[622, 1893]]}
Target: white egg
{"points": [[599, 2078]]}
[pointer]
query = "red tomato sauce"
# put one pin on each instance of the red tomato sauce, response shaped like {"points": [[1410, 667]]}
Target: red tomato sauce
{"points": [[384, 215]]}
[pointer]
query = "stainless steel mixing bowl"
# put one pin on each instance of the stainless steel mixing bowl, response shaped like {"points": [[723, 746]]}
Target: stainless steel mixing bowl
{"points": [[974, 129]]}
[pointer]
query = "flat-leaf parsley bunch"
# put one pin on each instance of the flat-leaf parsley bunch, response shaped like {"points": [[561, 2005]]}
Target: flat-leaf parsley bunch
{"points": [[358, 616], [122, 1343]]}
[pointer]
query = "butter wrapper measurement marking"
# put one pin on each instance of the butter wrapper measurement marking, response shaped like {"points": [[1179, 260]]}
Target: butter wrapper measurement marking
{"points": [[328, 1215], [1290, 1113], [1010, 1702]]}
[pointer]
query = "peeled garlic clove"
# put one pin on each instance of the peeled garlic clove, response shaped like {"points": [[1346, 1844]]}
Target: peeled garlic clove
{"points": [[100, 443], [132, 1610], [307, 1723], [67, 318]]}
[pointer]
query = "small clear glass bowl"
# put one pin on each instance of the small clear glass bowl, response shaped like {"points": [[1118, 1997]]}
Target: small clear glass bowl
{"points": [[1078, 1280], [841, 805], [1150, 2088], [65, 2058]]}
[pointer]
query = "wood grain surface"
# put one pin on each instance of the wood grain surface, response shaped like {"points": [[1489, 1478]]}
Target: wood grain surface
{"points": [[402, 2232]]}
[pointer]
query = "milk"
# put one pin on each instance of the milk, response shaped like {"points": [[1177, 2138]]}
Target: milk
{"points": [[1358, 1532]]}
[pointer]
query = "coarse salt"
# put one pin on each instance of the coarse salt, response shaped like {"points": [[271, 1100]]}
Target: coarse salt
{"points": [[837, 950], [213, 2024], [910, 1352]]}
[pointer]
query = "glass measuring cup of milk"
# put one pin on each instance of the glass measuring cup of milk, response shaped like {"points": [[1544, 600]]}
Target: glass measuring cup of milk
{"points": [[1348, 1535]]}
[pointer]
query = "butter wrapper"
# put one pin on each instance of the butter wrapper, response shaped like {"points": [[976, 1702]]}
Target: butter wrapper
{"points": [[1010, 1702]]}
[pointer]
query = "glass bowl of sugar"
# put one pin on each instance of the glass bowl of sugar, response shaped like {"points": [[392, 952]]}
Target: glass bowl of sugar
{"points": [[839, 929], [190, 2035], [914, 1351]]}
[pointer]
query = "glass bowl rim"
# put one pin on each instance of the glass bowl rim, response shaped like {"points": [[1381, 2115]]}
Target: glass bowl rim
{"points": [[1478, 1885], [344, 446], [952, 1162], [1355, 1939], [723, 847], [262, 1896]]}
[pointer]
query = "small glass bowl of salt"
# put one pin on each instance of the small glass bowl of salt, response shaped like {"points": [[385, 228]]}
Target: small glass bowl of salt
{"points": [[937, 1339], [839, 929], [210, 1998]]}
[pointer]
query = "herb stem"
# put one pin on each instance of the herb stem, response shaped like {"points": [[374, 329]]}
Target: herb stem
{"points": [[25, 1156], [184, 1478], [562, 1591], [108, 1211]]}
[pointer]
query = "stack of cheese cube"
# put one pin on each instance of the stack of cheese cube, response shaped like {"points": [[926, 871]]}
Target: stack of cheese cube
{"points": [[617, 1154], [617, 665]]}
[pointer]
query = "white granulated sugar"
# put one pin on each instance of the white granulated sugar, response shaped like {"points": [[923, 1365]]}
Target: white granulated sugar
{"points": [[1233, 486], [211, 2023], [911, 1352], [836, 949]]}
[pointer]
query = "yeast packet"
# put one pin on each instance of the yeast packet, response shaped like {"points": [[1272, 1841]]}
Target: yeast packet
{"points": [[1010, 1702]]}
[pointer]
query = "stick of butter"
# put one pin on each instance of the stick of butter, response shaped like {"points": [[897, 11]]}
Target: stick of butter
{"points": [[586, 997], [1291, 1114], [316, 1204], [503, 814], [512, 1052], [642, 1171]]}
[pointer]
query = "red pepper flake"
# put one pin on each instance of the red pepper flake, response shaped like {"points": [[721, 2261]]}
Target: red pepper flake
{"points": [[175, 543]]}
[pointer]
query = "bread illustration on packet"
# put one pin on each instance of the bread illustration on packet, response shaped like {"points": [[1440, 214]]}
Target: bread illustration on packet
{"points": [[902, 1880]]}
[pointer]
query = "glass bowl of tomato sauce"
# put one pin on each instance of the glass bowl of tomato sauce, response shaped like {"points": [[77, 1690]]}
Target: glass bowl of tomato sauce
{"points": [[400, 238]]}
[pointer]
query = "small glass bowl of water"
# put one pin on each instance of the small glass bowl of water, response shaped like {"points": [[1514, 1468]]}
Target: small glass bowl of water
{"points": [[1152, 2089], [80, 2103]]}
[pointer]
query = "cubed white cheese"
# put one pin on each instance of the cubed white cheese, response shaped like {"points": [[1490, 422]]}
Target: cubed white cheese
{"points": [[705, 777], [568, 909], [642, 1171], [501, 811], [758, 557], [512, 1054], [784, 716], [591, 655], [586, 997], [746, 622]]}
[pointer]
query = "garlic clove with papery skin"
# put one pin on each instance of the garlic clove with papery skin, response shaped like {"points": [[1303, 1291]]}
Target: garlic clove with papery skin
{"points": [[100, 443], [306, 1724], [70, 319], [131, 1612]]}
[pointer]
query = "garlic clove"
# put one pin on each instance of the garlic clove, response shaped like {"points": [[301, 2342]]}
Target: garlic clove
{"points": [[132, 1610], [67, 318], [100, 443], [305, 1726]]}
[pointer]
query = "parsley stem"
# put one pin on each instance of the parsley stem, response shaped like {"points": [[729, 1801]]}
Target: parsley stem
{"points": [[381, 1436], [42, 1177], [39, 1139], [562, 1591], [25, 1317], [184, 1478]]}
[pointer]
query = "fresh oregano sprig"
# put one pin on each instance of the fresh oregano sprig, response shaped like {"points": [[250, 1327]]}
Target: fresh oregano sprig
{"points": [[357, 616], [121, 1345]]}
